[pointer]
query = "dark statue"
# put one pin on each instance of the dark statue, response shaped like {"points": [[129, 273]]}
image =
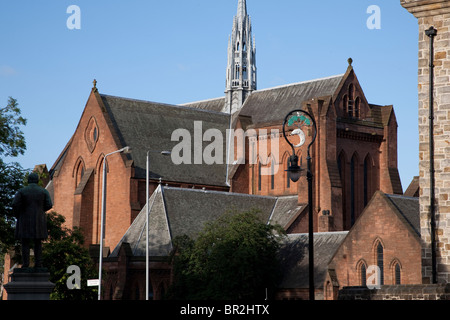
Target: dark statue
{"points": [[30, 205]]}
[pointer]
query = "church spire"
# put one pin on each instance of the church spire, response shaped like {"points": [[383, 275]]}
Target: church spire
{"points": [[242, 10], [241, 68]]}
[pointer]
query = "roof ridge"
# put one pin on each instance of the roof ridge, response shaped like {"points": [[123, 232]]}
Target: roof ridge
{"points": [[318, 233], [205, 100], [301, 82], [165, 104], [401, 196], [227, 193]]}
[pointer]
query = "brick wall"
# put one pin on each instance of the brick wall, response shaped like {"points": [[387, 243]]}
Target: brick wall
{"points": [[378, 223], [81, 203]]}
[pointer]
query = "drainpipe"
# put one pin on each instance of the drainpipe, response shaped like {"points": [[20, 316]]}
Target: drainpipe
{"points": [[431, 33]]}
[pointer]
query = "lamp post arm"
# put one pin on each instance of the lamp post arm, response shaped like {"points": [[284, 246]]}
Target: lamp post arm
{"points": [[102, 218]]}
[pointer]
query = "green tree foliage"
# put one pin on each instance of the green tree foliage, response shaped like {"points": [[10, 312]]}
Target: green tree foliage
{"points": [[63, 249], [11, 180], [12, 144], [12, 139], [233, 258]]}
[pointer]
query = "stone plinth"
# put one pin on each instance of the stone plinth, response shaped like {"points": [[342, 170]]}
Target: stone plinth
{"points": [[397, 292], [29, 284]]}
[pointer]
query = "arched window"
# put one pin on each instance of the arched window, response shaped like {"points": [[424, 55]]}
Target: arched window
{"points": [[259, 175], [397, 274], [345, 103], [272, 174], [361, 269], [357, 107], [363, 274], [79, 171], [353, 167], [341, 161], [367, 179], [351, 92], [380, 259]]}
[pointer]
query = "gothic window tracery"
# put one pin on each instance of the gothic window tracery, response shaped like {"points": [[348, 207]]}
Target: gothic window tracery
{"points": [[91, 134]]}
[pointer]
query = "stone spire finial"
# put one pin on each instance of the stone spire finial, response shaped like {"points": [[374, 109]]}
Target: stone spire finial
{"points": [[350, 61], [95, 84]]}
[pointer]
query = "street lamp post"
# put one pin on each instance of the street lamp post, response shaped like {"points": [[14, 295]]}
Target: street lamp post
{"points": [[147, 256], [100, 259], [431, 33], [300, 119]]}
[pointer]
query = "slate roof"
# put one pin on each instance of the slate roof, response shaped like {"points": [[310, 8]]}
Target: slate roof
{"points": [[145, 125], [261, 104], [286, 210], [408, 207], [294, 257], [180, 211], [212, 104]]}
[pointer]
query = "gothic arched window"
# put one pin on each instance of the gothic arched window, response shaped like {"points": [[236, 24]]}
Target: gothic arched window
{"points": [[351, 92], [380, 259], [397, 274], [367, 179], [259, 175], [272, 174], [353, 189], [345, 103], [357, 107], [362, 271]]}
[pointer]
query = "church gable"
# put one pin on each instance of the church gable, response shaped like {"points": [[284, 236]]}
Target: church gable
{"points": [[349, 99], [388, 223]]}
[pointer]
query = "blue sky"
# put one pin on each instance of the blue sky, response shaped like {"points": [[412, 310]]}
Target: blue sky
{"points": [[175, 51]]}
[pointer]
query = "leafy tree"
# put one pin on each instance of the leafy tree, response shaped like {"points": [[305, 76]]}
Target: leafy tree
{"points": [[11, 180], [63, 249], [12, 139], [12, 144], [234, 257]]}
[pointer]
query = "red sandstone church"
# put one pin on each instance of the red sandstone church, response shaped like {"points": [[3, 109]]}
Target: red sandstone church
{"points": [[361, 216]]}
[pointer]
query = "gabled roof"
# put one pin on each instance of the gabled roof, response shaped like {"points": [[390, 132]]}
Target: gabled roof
{"points": [[271, 105], [408, 208], [413, 188], [180, 211], [294, 256], [145, 125], [216, 104]]}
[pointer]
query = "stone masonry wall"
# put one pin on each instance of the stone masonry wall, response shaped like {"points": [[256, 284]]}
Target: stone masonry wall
{"points": [[397, 292], [434, 13]]}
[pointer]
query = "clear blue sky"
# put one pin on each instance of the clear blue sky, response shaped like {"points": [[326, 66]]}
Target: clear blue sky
{"points": [[175, 51]]}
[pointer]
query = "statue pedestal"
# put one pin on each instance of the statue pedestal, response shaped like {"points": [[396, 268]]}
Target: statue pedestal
{"points": [[29, 284]]}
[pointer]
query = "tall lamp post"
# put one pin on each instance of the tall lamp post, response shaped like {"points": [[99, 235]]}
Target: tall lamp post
{"points": [[100, 259], [147, 256], [431, 33], [300, 119]]}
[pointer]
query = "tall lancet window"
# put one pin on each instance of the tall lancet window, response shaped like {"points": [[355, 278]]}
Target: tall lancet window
{"points": [[380, 260]]}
